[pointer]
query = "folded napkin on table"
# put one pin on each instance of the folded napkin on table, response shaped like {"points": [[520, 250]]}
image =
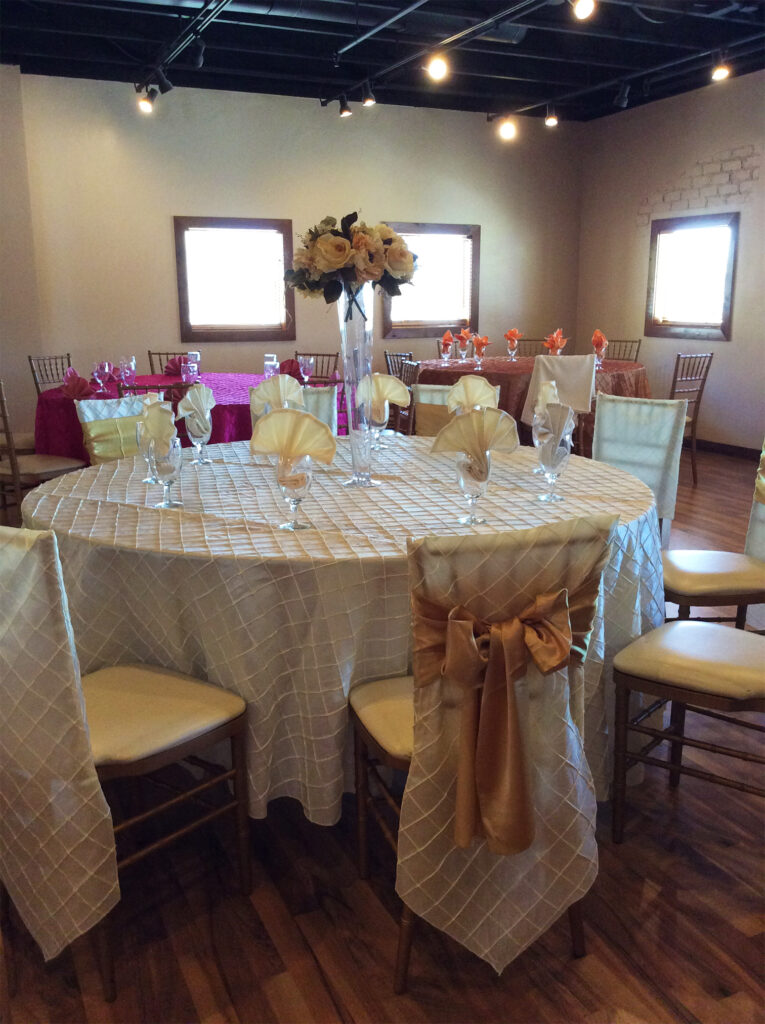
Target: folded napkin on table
{"points": [[275, 391], [291, 434], [599, 342], [291, 367], [379, 388], [75, 386], [574, 377], [476, 433], [195, 406], [159, 425], [173, 367], [470, 391], [555, 341]]}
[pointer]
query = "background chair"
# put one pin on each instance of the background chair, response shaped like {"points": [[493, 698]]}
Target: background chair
{"points": [[324, 366], [170, 392], [626, 351], [158, 360], [690, 376], [140, 719], [530, 347], [20, 473], [393, 361], [321, 402], [108, 426], [430, 410], [643, 436], [698, 667], [403, 419], [413, 724], [48, 371]]}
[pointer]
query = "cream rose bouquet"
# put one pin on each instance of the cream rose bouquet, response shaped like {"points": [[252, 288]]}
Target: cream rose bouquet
{"points": [[333, 259]]}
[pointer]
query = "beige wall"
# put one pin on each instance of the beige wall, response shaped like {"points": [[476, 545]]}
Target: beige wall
{"points": [[105, 183], [697, 153]]}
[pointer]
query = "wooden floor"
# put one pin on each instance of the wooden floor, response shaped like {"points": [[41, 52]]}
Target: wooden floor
{"points": [[673, 922]]}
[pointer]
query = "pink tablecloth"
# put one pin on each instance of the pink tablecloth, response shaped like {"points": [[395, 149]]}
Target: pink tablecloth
{"points": [[615, 377]]}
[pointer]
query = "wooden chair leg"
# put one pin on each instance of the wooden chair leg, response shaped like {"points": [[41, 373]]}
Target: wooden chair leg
{"points": [[362, 796], [621, 713], [102, 947], [677, 725], [694, 471], [683, 611], [405, 932], [576, 927], [741, 611], [239, 763], [7, 961]]}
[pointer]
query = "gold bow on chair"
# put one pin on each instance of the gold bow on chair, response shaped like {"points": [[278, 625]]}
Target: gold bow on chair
{"points": [[482, 662]]}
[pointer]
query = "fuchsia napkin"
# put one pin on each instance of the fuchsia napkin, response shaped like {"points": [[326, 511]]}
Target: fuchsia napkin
{"points": [[75, 386], [173, 367], [292, 368]]}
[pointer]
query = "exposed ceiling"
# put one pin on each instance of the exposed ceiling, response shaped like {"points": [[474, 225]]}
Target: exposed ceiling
{"points": [[505, 57]]}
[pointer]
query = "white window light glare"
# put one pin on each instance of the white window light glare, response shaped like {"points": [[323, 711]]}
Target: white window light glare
{"points": [[583, 9], [437, 68], [507, 129]]}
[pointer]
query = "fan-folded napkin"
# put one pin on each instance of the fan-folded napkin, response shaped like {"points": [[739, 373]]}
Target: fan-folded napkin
{"points": [[556, 421], [276, 391], [158, 425], [379, 388], [547, 394], [575, 379], [291, 434], [173, 366], [476, 433], [75, 386], [470, 391], [195, 406]]}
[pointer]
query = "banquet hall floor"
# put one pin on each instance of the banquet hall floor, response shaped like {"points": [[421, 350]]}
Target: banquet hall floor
{"points": [[673, 922]]}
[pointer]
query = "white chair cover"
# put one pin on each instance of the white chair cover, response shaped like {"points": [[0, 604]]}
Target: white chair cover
{"points": [[321, 403], [57, 857], [574, 377], [755, 534], [431, 394], [643, 436], [91, 409], [497, 905]]}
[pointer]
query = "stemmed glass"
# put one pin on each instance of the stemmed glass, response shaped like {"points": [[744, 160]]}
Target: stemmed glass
{"points": [[294, 477], [167, 469], [472, 480], [101, 371], [189, 369], [378, 425], [512, 350], [307, 364], [143, 441], [553, 459], [463, 352], [127, 369], [446, 352], [537, 428], [199, 438]]}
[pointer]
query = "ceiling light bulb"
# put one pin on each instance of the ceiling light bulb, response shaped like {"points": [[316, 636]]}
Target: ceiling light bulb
{"points": [[345, 110], [506, 129], [368, 97], [551, 118], [437, 68], [146, 102], [583, 9], [720, 72]]}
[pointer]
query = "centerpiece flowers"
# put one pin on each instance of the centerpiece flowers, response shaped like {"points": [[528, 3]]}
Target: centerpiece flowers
{"points": [[343, 263], [511, 337]]}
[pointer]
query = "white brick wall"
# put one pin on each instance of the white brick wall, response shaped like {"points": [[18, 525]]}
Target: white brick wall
{"points": [[714, 181]]}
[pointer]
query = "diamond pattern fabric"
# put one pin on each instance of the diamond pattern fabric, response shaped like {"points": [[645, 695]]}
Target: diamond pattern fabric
{"points": [[291, 621], [57, 857]]}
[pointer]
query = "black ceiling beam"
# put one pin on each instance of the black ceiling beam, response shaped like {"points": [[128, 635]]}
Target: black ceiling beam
{"points": [[379, 28]]}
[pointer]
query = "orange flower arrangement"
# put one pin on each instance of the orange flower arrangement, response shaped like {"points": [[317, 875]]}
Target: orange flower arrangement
{"points": [[480, 344], [464, 337], [555, 342], [446, 342], [599, 342]]}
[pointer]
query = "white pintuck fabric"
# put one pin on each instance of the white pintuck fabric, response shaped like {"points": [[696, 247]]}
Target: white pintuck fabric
{"points": [[57, 857], [291, 621], [643, 436], [574, 377], [497, 905], [321, 403], [91, 409]]}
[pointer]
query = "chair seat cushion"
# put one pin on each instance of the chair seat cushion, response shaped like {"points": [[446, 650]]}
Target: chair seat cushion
{"points": [[41, 467], [135, 711], [385, 708], [699, 656], [712, 572]]}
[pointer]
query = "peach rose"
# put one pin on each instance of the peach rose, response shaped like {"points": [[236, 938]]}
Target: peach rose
{"points": [[399, 260], [368, 256], [331, 252]]}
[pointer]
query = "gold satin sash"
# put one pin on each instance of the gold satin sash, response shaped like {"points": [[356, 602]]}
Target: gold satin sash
{"points": [[480, 663]]}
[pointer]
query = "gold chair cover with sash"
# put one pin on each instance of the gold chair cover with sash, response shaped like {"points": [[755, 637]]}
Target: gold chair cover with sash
{"points": [[497, 832]]}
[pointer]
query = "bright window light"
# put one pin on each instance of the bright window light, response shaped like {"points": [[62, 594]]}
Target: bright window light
{"points": [[690, 275], [441, 285]]}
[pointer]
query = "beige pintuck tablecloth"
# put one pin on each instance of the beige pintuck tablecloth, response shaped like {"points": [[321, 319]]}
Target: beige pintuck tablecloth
{"points": [[291, 621]]}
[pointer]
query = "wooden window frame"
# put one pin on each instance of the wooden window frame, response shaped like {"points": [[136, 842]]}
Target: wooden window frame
{"points": [[192, 335], [435, 328], [701, 332]]}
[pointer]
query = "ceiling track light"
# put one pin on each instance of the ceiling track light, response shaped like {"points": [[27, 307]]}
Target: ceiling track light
{"points": [[146, 101], [551, 118], [582, 8], [345, 110], [437, 68], [367, 96], [622, 97], [507, 129], [163, 82], [197, 52], [721, 70]]}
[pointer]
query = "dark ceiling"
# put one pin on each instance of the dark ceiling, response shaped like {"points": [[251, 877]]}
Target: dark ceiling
{"points": [[505, 57]]}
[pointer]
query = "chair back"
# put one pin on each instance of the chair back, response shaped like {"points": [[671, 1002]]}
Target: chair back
{"points": [[8, 456], [170, 392], [108, 426], [410, 371], [48, 371], [574, 377], [690, 376], [393, 361], [57, 851], [530, 347], [321, 402], [430, 410], [623, 350], [158, 360], [643, 436], [324, 364], [755, 535]]}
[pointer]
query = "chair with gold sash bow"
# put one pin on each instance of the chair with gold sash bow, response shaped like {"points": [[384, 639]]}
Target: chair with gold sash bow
{"points": [[496, 837]]}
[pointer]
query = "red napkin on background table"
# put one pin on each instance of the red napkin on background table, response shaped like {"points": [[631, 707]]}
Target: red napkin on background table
{"points": [[292, 368], [173, 367], [75, 386]]}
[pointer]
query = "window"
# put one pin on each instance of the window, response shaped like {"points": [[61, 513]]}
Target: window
{"points": [[444, 290], [690, 277], [231, 279]]}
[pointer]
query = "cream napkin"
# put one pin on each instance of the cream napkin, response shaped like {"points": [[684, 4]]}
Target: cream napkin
{"points": [[195, 406], [379, 388], [476, 433], [151, 398], [548, 392], [159, 425], [574, 376], [470, 391], [290, 434], [557, 421], [275, 391]]}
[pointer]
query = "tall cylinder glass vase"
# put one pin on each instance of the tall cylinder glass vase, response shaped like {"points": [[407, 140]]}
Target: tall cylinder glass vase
{"points": [[356, 312]]}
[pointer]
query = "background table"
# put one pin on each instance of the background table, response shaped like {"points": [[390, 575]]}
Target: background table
{"points": [[615, 377], [291, 621]]}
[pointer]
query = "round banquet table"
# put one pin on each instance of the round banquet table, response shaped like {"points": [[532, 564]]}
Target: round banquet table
{"points": [[615, 377], [291, 621]]}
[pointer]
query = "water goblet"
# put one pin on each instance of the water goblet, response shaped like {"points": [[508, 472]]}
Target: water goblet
{"points": [[189, 370], [294, 477], [512, 350], [463, 352], [553, 459], [127, 369], [195, 357], [446, 352], [270, 365], [307, 365], [199, 434], [143, 441], [166, 466], [537, 428], [472, 480], [377, 425]]}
